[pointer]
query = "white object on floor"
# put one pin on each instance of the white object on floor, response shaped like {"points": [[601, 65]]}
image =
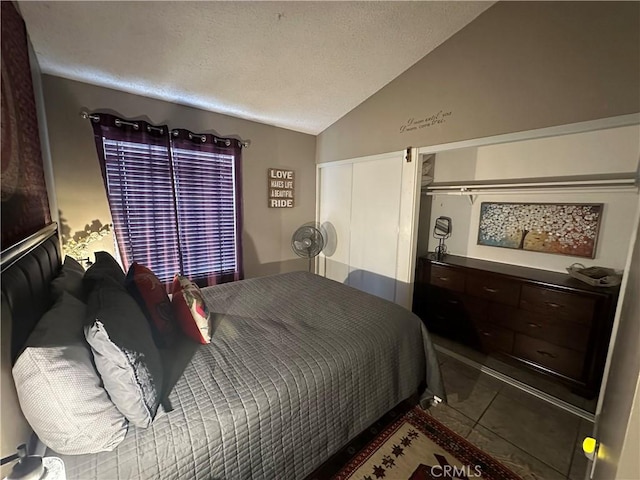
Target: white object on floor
{"points": [[53, 469]]}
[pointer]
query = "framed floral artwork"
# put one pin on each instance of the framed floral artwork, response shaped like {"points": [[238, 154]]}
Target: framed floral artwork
{"points": [[562, 228]]}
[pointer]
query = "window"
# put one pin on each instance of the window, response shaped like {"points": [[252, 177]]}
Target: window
{"points": [[206, 203], [141, 197], [175, 202]]}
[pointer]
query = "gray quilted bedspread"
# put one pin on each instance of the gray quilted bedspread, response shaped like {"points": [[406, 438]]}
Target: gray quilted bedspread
{"points": [[298, 365]]}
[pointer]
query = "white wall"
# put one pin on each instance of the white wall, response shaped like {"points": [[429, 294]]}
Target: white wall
{"points": [[613, 150], [606, 151], [459, 210], [456, 165], [450, 166]]}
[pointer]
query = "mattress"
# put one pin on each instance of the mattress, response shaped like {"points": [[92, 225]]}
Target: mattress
{"points": [[298, 365]]}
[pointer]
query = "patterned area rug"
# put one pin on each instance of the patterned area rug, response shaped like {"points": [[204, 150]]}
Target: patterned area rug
{"points": [[417, 447]]}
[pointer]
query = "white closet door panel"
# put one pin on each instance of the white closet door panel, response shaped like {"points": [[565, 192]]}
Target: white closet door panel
{"points": [[375, 212], [335, 208]]}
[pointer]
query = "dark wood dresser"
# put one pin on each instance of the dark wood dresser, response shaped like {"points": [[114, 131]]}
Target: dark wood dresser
{"points": [[545, 321]]}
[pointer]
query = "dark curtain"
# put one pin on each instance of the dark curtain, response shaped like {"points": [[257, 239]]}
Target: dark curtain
{"points": [[175, 198], [136, 157], [207, 169]]}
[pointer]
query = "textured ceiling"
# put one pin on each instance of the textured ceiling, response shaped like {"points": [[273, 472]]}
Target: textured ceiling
{"points": [[298, 65]]}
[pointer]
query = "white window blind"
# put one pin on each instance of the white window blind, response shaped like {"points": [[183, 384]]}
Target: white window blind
{"points": [[206, 204], [140, 189]]}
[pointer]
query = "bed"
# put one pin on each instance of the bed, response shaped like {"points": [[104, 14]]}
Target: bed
{"points": [[298, 365]]}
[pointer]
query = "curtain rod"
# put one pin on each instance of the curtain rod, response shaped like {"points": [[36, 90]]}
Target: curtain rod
{"points": [[532, 191], [472, 194], [612, 181], [96, 118]]}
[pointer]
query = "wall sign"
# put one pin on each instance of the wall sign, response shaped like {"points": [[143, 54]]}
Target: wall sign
{"points": [[281, 186]]}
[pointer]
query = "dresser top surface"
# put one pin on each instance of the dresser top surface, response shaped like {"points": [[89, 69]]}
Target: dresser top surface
{"points": [[544, 277]]}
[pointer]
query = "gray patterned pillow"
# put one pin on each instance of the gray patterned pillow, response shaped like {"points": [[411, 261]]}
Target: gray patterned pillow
{"points": [[124, 352], [60, 392]]}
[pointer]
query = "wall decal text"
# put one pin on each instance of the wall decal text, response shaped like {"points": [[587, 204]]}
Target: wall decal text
{"points": [[413, 123]]}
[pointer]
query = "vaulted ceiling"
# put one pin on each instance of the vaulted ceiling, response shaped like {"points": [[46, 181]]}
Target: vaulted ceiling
{"points": [[299, 65]]}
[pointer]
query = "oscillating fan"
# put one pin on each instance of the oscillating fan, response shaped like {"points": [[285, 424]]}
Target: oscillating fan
{"points": [[307, 242]]}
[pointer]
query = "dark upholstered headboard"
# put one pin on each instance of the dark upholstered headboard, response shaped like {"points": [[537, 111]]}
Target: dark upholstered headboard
{"points": [[27, 270]]}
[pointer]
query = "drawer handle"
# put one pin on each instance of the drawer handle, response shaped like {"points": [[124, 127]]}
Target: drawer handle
{"points": [[453, 302], [444, 279], [486, 334], [534, 325], [490, 290], [440, 317], [546, 354], [553, 305]]}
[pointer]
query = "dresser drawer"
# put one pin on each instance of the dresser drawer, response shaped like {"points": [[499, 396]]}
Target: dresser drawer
{"points": [[447, 278], [559, 359], [476, 309], [576, 308], [494, 338], [501, 314], [463, 305], [494, 288], [438, 321], [450, 323], [554, 330]]}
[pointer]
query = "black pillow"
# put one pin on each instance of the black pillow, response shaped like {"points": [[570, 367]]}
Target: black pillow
{"points": [[124, 352], [105, 266], [69, 280]]}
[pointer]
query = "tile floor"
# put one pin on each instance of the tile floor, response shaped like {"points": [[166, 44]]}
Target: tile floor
{"points": [[532, 437]]}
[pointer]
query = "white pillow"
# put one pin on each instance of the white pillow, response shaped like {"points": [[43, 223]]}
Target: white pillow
{"points": [[60, 392]]}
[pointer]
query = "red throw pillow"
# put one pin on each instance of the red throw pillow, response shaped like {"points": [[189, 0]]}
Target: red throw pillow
{"points": [[190, 310], [151, 295]]}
